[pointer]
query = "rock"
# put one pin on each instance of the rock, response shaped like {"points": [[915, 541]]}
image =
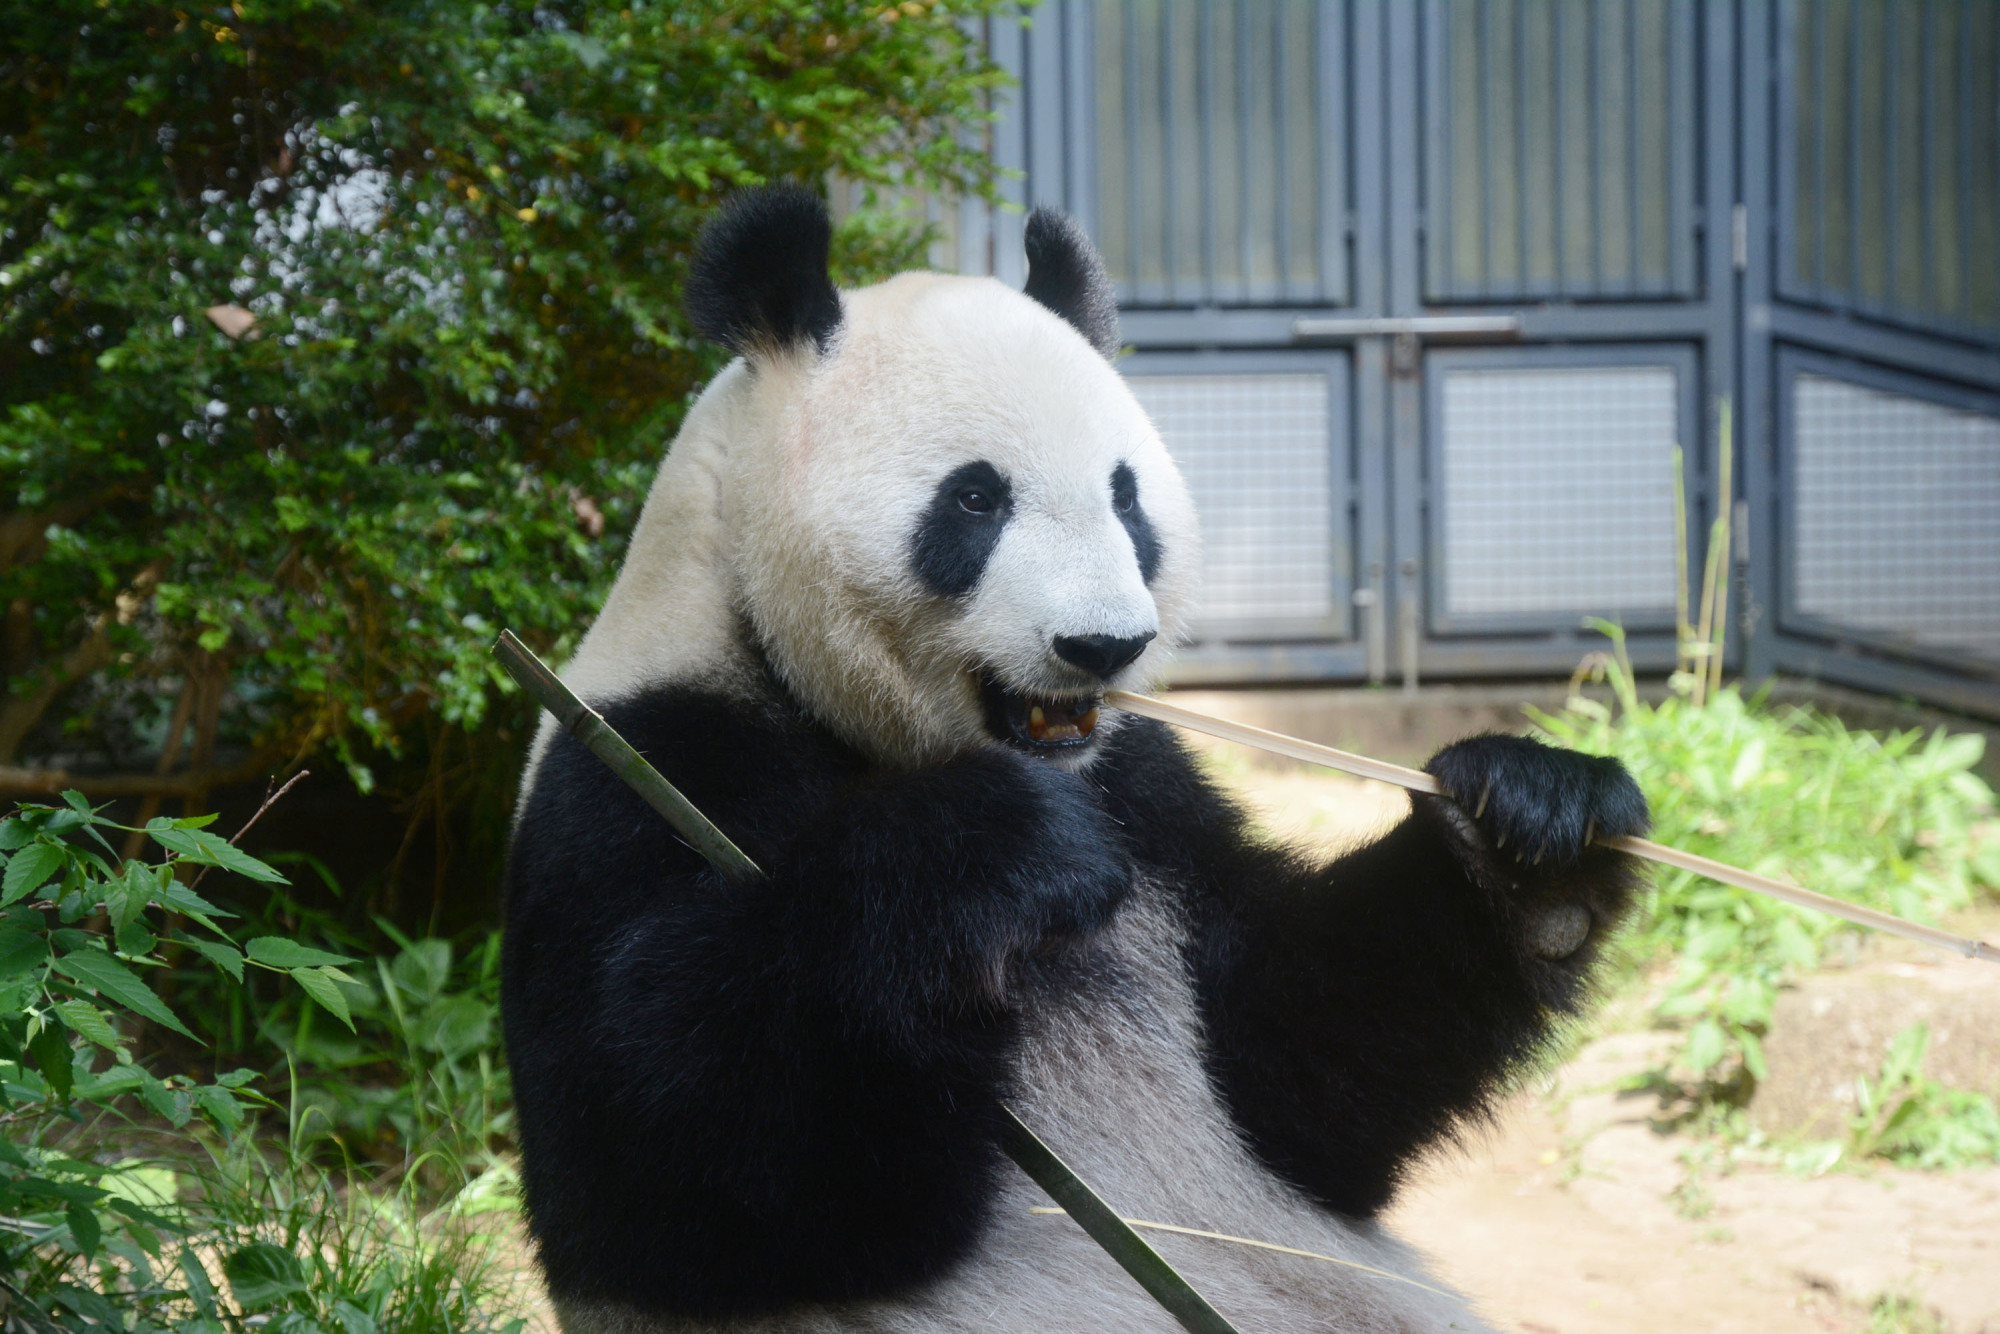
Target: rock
{"points": [[1836, 1027]]}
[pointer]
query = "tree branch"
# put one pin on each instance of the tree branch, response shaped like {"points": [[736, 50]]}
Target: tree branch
{"points": [[20, 713], [23, 531], [18, 781]]}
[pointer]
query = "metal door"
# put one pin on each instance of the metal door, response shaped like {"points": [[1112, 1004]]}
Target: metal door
{"points": [[1496, 260], [1501, 304], [1872, 348]]}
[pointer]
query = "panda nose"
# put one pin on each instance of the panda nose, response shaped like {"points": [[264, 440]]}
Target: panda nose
{"points": [[1101, 655]]}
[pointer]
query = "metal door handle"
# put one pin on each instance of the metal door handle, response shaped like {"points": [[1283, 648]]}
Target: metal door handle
{"points": [[1415, 326]]}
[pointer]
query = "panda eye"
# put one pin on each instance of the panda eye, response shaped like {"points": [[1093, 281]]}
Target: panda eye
{"points": [[975, 502], [1124, 490]]}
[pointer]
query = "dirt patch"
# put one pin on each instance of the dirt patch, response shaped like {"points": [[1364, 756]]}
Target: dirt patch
{"points": [[1575, 1214]]}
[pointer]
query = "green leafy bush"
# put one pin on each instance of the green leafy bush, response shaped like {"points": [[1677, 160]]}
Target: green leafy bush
{"points": [[338, 336], [1912, 1120], [99, 1151], [1887, 821]]}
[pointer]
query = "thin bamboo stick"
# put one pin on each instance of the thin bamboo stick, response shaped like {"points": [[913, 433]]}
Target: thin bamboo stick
{"points": [[1725, 522], [1418, 781]]}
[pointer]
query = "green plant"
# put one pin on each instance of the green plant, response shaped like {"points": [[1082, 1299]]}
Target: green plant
{"points": [[422, 1075], [1891, 821], [1900, 1313], [1912, 1120], [117, 1207], [80, 929], [338, 335]]}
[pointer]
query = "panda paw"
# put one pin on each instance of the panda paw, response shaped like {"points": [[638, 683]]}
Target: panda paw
{"points": [[1535, 806]]}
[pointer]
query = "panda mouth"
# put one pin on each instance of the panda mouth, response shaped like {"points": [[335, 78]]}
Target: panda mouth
{"points": [[1038, 722]]}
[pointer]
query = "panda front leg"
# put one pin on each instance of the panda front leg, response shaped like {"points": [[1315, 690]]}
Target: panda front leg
{"points": [[1360, 1011]]}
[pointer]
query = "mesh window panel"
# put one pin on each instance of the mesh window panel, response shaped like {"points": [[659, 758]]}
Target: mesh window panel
{"points": [[1254, 450], [1558, 490], [1898, 515]]}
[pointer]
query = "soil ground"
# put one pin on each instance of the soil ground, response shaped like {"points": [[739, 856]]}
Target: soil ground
{"points": [[1573, 1213]]}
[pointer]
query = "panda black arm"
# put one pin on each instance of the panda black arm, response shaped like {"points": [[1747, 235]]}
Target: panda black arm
{"points": [[736, 1098], [1357, 1011]]}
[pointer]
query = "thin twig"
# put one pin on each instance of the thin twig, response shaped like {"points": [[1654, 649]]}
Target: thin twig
{"points": [[269, 802], [1418, 781]]}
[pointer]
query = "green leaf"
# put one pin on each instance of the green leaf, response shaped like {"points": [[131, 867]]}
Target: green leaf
{"points": [[83, 1226], [277, 952], [14, 833], [208, 849], [322, 988], [262, 1275], [96, 969], [77, 803], [193, 906], [52, 1055], [20, 951], [88, 1022], [28, 869], [220, 1106], [353, 1320], [226, 957], [1706, 1044], [200, 1291]]}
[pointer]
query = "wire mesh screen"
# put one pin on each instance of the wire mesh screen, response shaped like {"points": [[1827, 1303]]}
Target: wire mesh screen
{"points": [[1562, 148], [1558, 489], [1890, 165], [1256, 452], [1897, 515], [1220, 140]]}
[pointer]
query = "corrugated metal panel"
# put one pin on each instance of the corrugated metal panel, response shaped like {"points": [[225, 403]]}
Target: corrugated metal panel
{"points": [[1897, 515], [1558, 490], [1889, 155], [1220, 134], [1256, 452], [1562, 149]]}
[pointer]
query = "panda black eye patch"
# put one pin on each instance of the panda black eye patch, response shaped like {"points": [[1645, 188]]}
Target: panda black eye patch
{"points": [[960, 527], [1125, 502]]}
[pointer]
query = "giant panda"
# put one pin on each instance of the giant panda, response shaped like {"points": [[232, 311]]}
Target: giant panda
{"points": [[899, 549]]}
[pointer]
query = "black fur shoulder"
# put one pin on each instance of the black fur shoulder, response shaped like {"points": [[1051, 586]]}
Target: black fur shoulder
{"points": [[738, 1098]]}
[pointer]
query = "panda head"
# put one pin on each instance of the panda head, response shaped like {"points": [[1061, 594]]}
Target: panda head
{"points": [[951, 524]]}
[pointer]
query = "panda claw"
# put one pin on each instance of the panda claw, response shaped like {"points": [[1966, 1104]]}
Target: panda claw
{"points": [[1484, 793]]}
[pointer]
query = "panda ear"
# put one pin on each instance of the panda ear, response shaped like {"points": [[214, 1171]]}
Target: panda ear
{"points": [[759, 280], [1066, 275]]}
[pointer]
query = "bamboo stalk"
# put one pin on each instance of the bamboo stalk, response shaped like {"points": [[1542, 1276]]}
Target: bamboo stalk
{"points": [[1418, 781], [1725, 521], [602, 740], [1683, 626], [1146, 1265]]}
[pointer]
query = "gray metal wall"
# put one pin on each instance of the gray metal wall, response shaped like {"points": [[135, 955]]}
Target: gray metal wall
{"points": [[1425, 297]]}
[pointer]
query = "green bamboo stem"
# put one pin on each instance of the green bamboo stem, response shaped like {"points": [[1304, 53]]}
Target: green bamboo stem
{"points": [[1064, 1186], [588, 726], [1108, 1230]]}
